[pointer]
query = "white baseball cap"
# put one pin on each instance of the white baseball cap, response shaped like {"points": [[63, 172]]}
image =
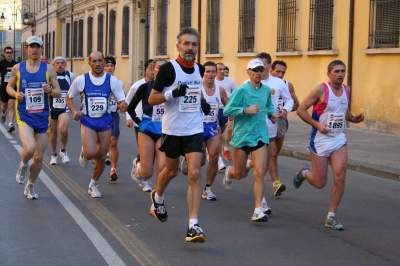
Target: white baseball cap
{"points": [[60, 58], [255, 63], [34, 39]]}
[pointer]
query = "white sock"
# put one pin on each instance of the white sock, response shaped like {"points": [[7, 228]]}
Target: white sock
{"points": [[92, 182], [158, 199], [192, 222], [263, 200], [304, 173], [331, 214], [23, 165]]}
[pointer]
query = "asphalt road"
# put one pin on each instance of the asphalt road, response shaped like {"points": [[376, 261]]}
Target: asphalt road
{"points": [[65, 226]]}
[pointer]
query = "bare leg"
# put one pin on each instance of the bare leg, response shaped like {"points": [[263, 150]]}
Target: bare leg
{"points": [[194, 177]]}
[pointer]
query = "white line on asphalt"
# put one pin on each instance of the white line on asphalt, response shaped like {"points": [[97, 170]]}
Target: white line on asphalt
{"points": [[98, 241]]}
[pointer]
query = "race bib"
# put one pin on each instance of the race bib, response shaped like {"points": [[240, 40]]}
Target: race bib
{"points": [[59, 102], [34, 100], [336, 124], [113, 104], [279, 105], [191, 101], [213, 115], [97, 106], [158, 112], [7, 76]]}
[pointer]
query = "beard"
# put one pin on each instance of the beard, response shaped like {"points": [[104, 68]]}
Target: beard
{"points": [[189, 57]]}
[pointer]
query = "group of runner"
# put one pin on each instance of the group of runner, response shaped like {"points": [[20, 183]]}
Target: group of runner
{"points": [[180, 109]]}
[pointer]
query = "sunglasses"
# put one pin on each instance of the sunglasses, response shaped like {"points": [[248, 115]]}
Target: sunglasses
{"points": [[258, 70], [8, 52]]}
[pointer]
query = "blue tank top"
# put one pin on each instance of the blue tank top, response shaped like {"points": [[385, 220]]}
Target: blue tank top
{"points": [[35, 106], [58, 104], [97, 98]]}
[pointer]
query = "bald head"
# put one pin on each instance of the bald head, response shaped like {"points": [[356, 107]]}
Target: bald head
{"points": [[96, 63]]}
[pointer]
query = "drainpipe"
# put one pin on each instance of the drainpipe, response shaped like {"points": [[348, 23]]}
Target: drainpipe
{"points": [[147, 33], [199, 29], [106, 46], [71, 36], [350, 45]]}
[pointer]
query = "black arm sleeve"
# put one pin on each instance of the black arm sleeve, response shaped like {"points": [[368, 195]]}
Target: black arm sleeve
{"points": [[139, 95], [165, 77]]}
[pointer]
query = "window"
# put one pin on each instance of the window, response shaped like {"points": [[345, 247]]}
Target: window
{"points": [[212, 38], [111, 47], [125, 31], [3, 39], [287, 25], [246, 26], [321, 25], [80, 39], [67, 39], [186, 13], [19, 37], [384, 24], [75, 40], [162, 8], [100, 27], [89, 35]]}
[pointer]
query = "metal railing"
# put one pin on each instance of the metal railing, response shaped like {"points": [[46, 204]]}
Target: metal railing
{"points": [[287, 25], [246, 26], [321, 25], [213, 23]]}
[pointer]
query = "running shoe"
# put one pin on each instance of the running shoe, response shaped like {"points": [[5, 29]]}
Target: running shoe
{"points": [[332, 223], [29, 192], [146, 186], [184, 166], [64, 157], [94, 191], [11, 128], [259, 216], [299, 178], [108, 161], [266, 210], [158, 210], [22, 174], [227, 154], [83, 161], [221, 166], [113, 174], [93, 161], [134, 173], [226, 181], [207, 194], [53, 160], [195, 235], [278, 188], [3, 118]]}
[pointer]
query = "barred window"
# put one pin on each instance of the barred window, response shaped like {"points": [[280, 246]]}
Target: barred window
{"points": [[162, 11], [212, 38], [67, 39], [100, 28], [125, 31], [111, 47], [54, 45], [287, 25], [48, 37], [321, 25], [186, 13], [80, 43], [89, 47], [75, 40], [46, 49], [384, 24], [247, 17]]}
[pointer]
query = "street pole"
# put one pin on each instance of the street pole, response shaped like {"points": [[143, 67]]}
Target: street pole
{"points": [[15, 18]]}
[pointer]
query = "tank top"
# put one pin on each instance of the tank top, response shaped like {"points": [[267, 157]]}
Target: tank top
{"points": [[214, 101], [95, 99], [58, 104]]}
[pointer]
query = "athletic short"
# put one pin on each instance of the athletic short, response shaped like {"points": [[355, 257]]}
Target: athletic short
{"points": [[153, 136], [249, 150], [210, 130], [283, 126], [34, 126], [99, 124], [223, 120], [175, 146], [271, 140], [115, 125], [325, 146], [56, 114], [4, 96]]}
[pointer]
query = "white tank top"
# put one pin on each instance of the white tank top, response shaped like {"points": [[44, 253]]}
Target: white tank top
{"points": [[183, 116], [214, 101]]}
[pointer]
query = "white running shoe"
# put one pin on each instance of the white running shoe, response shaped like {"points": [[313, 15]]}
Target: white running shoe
{"points": [[146, 186], [134, 172], [94, 191], [108, 161], [22, 174], [227, 182], [64, 157], [221, 165], [259, 216], [184, 166], [53, 160], [29, 192], [207, 194], [265, 208], [83, 161]]}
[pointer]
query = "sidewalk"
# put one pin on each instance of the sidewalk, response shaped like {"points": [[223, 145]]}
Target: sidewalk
{"points": [[369, 152]]}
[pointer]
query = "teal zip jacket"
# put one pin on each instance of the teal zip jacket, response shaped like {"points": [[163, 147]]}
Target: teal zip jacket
{"points": [[249, 129]]}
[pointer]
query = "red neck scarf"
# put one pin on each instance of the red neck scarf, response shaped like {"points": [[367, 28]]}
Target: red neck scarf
{"points": [[185, 63]]}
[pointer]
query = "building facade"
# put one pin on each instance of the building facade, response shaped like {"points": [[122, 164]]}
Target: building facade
{"points": [[306, 34]]}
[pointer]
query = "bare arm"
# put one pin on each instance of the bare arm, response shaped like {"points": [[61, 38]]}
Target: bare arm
{"points": [[223, 96], [353, 118], [11, 85], [55, 90], [156, 98], [294, 97]]}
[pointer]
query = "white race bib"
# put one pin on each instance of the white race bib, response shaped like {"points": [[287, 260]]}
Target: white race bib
{"points": [[34, 100], [191, 101], [336, 123], [97, 106], [213, 115], [158, 112], [7, 76], [59, 102], [113, 103]]}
